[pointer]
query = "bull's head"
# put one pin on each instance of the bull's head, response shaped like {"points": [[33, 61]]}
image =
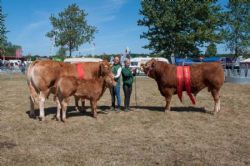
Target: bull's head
{"points": [[149, 68]]}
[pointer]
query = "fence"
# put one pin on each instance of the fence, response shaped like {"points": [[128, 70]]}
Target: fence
{"points": [[239, 75], [9, 70]]}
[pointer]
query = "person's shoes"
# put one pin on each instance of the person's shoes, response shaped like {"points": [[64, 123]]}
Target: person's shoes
{"points": [[112, 108], [117, 110], [126, 109]]}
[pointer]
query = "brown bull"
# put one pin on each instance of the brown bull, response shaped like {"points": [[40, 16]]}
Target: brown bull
{"points": [[210, 75], [42, 75]]}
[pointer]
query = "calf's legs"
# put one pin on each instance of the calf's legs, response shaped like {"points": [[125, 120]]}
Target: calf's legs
{"points": [[93, 108], [76, 103], [82, 109], [64, 105]]}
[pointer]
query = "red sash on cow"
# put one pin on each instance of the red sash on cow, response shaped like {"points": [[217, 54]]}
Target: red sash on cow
{"points": [[183, 78], [80, 71]]}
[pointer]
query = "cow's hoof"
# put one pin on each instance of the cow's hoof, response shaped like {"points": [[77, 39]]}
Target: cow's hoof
{"points": [[57, 118], [167, 111], [64, 120]]}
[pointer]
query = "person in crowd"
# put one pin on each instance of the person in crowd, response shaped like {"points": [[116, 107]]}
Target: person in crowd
{"points": [[115, 91], [128, 78]]}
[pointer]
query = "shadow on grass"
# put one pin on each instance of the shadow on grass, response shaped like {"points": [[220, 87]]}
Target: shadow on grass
{"points": [[71, 112], [174, 109]]}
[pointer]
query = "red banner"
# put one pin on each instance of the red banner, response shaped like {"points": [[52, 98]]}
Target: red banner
{"points": [[18, 53], [183, 78]]}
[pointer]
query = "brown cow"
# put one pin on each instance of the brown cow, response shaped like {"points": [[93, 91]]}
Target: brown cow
{"points": [[203, 75], [92, 90], [42, 75]]}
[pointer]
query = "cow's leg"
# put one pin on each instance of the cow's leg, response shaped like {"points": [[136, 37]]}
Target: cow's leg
{"points": [[33, 99], [168, 100], [76, 103], [32, 108], [58, 109], [83, 110], [41, 106], [42, 96], [168, 96], [216, 96], [65, 103], [93, 108]]}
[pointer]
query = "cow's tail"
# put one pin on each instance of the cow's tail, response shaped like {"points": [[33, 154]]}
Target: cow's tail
{"points": [[29, 76]]}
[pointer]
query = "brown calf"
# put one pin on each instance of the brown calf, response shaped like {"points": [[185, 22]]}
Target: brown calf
{"points": [[85, 89]]}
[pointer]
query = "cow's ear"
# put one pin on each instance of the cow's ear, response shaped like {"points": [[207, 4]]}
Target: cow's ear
{"points": [[142, 66], [153, 64]]}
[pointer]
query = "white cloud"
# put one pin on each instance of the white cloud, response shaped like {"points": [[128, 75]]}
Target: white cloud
{"points": [[107, 11]]}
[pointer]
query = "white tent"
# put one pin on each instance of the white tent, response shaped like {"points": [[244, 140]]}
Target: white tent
{"points": [[245, 61], [76, 60], [136, 62]]}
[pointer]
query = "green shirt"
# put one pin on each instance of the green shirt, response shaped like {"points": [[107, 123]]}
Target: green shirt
{"points": [[127, 76], [114, 71]]}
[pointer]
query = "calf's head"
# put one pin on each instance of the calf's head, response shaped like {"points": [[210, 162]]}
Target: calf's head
{"points": [[105, 68], [149, 68], [109, 80]]}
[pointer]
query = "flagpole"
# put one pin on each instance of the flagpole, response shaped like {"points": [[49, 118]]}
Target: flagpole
{"points": [[135, 92]]}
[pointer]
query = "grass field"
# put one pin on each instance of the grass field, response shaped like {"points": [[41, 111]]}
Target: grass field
{"points": [[185, 136]]}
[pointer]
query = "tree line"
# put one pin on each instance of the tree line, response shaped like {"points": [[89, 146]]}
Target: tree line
{"points": [[177, 27], [182, 27]]}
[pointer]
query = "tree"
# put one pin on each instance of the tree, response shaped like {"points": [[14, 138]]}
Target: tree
{"points": [[3, 29], [237, 33], [180, 27], [10, 49], [61, 52], [70, 28], [211, 50]]}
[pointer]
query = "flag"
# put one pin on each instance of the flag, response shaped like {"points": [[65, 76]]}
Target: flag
{"points": [[18, 53]]}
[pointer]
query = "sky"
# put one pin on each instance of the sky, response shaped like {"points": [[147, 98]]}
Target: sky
{"points": [[116, 21]]}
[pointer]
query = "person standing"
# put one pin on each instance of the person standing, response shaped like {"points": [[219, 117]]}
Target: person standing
{"points": [[115, 91], [128, 78]]}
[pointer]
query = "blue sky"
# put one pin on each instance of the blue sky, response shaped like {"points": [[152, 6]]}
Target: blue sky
{"points": [[116, 21]]}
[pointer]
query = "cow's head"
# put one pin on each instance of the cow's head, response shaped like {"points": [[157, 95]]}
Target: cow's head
{"points": [[109, 80], [106, 73], [149, 68], [105, 68]]}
